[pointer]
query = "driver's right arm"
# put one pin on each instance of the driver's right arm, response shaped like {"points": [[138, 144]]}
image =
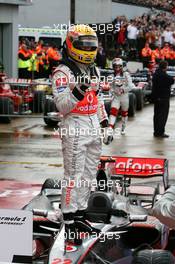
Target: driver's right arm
{"points": [[67, 93]]}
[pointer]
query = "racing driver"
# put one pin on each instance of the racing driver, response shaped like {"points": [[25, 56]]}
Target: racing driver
{"points": [[75, 88], [121, 85]]}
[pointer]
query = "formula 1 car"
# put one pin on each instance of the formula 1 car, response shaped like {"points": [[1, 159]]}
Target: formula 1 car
{"points": [[117, 228], [17, 97]]}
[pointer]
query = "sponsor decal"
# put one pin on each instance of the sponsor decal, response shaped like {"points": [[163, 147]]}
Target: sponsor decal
{"points": [[71, 248], [137, 166], [61, 82], [17, 227], [80, 57], [68, 192], [62, 261], [90, 98], [87, 108], [61, 89]]}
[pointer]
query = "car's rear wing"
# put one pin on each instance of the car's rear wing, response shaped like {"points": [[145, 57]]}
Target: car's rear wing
{"points": [[135, 167]]}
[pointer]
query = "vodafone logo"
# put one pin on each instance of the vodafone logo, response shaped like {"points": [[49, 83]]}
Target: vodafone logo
{"points": [[70, 248], [87, 108], [138, 166], [90, 98], [62, 261]]}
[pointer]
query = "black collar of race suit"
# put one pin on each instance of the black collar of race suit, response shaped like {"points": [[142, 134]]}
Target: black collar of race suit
{"points": [[73, 67]]}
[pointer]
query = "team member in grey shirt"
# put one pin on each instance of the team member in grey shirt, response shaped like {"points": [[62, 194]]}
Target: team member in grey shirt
{"points": [[164, 209]]}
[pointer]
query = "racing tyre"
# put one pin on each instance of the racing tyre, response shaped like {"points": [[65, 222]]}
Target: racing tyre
{"points": [[6, 108], [139, 98], [51, 184], [153, 257], [132, 105], [49, 106], [39, 100]]}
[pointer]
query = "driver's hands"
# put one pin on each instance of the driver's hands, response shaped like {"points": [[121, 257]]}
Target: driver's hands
{"points": [[119, 91], [118, 82], [84, 82], [108, 133]]}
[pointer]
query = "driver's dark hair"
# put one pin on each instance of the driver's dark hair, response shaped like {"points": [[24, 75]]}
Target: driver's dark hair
{"points": [[163, 65]]}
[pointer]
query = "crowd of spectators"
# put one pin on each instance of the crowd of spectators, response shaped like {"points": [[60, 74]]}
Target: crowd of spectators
{"points": [[37, 59], [167, 5], [152, 34], [155, 28]]}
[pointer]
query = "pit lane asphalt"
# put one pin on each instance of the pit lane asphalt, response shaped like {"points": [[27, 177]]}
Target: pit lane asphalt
{"points": [[31, 152]]}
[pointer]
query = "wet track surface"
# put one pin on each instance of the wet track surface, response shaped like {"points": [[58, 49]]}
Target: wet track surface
{"points": [[30, 152]]}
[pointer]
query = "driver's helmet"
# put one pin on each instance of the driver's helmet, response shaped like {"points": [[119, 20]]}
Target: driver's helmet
{"points": [[117, 62], [82, 43]]}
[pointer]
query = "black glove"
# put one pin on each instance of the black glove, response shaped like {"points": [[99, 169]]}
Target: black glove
{"points": [[108, 135], [83, 82]]}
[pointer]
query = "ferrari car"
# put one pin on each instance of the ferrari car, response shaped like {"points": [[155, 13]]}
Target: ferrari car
{"points": [[117, 227], [18, 97]]}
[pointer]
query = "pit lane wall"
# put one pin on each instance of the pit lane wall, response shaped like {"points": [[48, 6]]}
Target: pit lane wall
{"points": [[9, 33], [91, 11], [8, 39]]}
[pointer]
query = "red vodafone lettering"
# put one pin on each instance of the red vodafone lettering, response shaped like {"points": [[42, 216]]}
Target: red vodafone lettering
{"points": [[138, 166], [61, 261]]}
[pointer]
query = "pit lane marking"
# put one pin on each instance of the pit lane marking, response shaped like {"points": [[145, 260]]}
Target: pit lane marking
{"points": [[29, 163]]}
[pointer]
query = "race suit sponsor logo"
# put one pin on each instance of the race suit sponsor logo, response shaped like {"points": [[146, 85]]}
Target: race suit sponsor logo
{"points": [[90, 98], [68, 191], [88, 105], [61, 82], [87, 108], [62, 261], [70, 248]]}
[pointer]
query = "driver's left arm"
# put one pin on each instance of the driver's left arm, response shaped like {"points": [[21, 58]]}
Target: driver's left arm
{"points": [[129, 83]]}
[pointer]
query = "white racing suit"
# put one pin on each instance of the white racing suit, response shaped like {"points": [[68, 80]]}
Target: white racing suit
{"points": [[81, 141], [164, 209], [120, 87]]}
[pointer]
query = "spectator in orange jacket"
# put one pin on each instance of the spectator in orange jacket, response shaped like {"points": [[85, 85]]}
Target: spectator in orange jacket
{"points": [[157, 55], [53, 57], [146, 55], [166, 51]]}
